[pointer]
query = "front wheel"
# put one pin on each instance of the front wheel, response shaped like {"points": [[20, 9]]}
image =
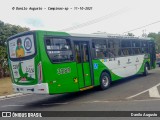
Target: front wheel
{"points": [[146, 68], [105, 81]]}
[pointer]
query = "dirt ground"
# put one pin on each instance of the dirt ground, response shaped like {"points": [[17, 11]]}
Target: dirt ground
{"points": [[5, 86]]}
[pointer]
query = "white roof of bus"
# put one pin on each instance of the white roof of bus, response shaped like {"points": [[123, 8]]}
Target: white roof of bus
{"points": [[96, 35], [106, 35]]}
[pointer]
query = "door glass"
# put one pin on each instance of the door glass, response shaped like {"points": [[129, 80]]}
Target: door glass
{"points": [[78, 54], [85, 52]]}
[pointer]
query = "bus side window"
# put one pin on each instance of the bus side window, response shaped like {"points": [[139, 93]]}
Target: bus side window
{"points": [[100, 48], [120, 52], [126, 47], [136, 47], [136, 51], [111, 54], [144, 46], [114, 47], [100, 54], [48, 44], [58, 49], [124, 52]]}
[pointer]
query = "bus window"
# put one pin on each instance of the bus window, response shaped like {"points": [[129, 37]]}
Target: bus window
{"points": [[125, 43], [135, 43], [100, 48], [144, 46], [136, 51], [125, 52], [120, 53], [125, 48], [136, 47], [58, 49], [144, 43], [112, 53], [113, 45]]}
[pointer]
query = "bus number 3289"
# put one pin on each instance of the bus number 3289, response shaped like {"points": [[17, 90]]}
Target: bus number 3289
{"points": [[63, 70]]}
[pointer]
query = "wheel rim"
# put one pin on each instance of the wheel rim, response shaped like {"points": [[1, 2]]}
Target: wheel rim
{"points": [[105, 81]]}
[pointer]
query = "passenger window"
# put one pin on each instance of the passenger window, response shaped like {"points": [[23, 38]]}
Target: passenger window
{"points": [[100, 48], [125, 48], [59, 49], [113, 46], [144, 46], [136, 47]]}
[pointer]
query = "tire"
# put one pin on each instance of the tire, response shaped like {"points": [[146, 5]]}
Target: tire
{"points": [[105, 81], [146, 68]]}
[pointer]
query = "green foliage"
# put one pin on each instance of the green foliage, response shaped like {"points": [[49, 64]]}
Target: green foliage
{"points": [[130, 34], [7, 30], [156, 37]]}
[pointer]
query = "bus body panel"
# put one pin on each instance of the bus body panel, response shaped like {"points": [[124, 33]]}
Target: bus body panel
{"points": [[124, 66], [119, 71]]}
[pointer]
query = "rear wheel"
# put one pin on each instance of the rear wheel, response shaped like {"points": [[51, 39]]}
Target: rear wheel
{"points": [[146, 68], [105, 81]]}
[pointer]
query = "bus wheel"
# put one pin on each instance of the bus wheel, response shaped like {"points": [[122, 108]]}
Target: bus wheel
{"points": [[145, 73], [105, 81]]}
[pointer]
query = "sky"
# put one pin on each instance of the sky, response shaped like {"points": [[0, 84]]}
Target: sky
{"points": [[110, 16]]}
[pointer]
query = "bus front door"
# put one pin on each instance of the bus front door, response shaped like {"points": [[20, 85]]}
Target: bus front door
{"points": [[82, 54]]}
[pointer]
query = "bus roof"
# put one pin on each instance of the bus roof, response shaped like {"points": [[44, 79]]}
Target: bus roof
{"points": [[95, 35], [21, 33], [110, 36]]}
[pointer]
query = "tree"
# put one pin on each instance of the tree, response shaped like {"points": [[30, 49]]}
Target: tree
{"points": [[156, 37], [130, 34]]}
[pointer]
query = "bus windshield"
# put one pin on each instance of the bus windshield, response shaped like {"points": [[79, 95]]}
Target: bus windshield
{"points": [[21, 47], [59, 50]]}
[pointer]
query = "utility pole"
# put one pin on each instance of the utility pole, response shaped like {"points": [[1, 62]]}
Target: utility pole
{"points": [[144, 33]]}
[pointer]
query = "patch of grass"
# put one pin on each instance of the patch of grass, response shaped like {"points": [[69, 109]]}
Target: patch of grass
{"points": [[6, 86]]}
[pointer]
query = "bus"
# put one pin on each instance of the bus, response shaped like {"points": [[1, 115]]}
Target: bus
{"points": [[49, 62]]}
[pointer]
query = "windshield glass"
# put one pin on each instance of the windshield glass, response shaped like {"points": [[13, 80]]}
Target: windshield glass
{"points": [[21, 47]]}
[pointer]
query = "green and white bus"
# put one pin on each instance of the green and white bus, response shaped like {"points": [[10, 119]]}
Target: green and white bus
{"points": [[48, 62]]}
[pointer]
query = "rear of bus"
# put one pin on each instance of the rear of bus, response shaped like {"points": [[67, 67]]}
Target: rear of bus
{"points": [[39, 64], [24, 63]]}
